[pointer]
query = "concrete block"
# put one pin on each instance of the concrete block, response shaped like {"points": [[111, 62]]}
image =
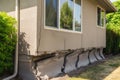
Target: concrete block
{"points": [[83, 60], [51, 67], [71, 60]]}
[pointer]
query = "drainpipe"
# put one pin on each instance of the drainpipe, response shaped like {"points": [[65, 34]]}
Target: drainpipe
{"points": [[16, 52]]}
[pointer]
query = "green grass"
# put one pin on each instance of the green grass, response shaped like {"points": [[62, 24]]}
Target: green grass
{"points": [[100, 71]]}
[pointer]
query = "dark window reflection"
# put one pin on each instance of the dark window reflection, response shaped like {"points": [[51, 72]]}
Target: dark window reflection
{"points": [[51, 13], [100, 17]]}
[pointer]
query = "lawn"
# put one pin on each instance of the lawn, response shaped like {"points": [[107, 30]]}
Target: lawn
{"points": [[107, 70]]}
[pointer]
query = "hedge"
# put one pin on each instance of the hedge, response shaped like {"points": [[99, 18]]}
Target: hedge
{"points": [[7, 42]]}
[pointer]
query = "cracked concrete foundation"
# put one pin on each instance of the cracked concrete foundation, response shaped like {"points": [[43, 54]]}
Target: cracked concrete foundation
{"points": [[50, 67]]}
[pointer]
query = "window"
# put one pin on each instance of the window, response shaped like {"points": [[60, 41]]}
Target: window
{"points": [[100, 17], [63, 14]]}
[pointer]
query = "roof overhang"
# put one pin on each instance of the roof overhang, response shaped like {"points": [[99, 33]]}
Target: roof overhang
{"points": [[107, 4]]}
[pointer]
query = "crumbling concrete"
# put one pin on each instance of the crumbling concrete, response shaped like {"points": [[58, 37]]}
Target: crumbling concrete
{"points": [[45, 67]]}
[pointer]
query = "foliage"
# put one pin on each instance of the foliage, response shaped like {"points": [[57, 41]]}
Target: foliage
{"points": [[7, 42], [66, 17], [113, 30]]}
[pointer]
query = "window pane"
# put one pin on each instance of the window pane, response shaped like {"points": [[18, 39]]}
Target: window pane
{"points": [[66, 14], [51, 13], [77, 15], [102, 18], [99, 16]]}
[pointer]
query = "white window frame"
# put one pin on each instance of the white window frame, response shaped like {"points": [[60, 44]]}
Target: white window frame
{"points": [[100, 16], [58, 25]]}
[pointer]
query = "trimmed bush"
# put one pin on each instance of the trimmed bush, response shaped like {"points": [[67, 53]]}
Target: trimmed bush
{"points": [[7, 42]]}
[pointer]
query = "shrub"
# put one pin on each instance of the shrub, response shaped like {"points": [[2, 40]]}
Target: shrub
{"points": [[7, 42], [113, 31], [113, 40]]}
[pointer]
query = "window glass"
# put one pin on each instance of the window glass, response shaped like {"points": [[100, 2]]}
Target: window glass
{"points": [[77, 15], [51, 13], [66, 14], [63, 14], [100, 17]]}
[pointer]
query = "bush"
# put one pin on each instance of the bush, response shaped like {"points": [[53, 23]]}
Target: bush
{"points": [[113, 40], [7, 42], [113, 31]]}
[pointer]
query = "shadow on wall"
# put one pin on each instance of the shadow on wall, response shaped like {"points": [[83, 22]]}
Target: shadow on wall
{"points": [[27, 3], [9, 5], [23, 44]]}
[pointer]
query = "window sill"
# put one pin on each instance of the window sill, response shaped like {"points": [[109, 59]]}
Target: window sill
{"points": [[101, 27], [61, 30]]}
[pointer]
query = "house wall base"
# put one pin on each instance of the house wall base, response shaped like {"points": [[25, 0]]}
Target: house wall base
{"points": [[32, 68], [25, 68]]}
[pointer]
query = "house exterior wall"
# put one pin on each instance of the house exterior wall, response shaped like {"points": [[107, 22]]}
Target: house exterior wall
{"points": [[91, 36], [35, 37]]}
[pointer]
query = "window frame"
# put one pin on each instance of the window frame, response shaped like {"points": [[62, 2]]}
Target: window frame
{"points": [[58, 19], [102, 9]]}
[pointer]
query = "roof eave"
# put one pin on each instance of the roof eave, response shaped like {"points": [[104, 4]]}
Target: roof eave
{"points": [[107, 4], [113, 8]]}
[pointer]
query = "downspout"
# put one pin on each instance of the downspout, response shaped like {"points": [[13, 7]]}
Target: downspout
{"points": [[16, 52]]}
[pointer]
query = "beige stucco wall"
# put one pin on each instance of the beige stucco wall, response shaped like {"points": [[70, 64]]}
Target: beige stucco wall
{"points": [[91, 36], [28, 26]]}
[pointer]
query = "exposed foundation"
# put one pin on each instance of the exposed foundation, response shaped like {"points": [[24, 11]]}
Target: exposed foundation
{"points": [[44, 67]]}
